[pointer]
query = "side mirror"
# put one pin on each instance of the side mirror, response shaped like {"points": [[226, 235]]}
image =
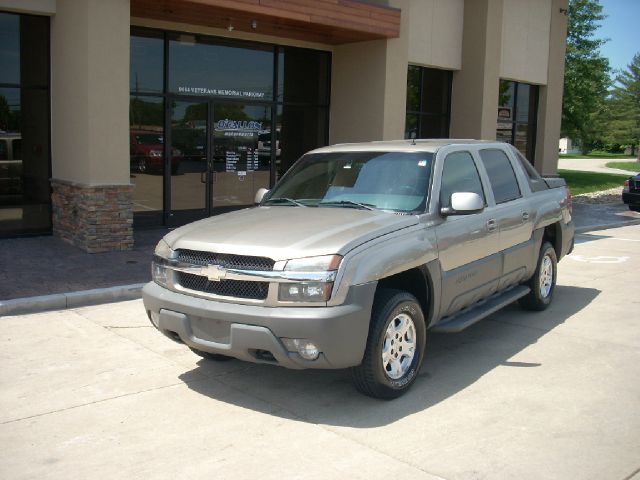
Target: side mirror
{"points": [[463, 203], [260, 195]]}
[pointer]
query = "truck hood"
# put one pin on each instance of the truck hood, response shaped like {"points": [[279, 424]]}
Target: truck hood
{"points": [[283, 232]]}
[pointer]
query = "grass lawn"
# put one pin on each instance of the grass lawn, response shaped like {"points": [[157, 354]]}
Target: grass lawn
{"points": [[631, 166], [586, 182], [597, 154]]}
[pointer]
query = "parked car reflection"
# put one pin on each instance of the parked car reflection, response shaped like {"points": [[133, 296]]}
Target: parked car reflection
{"points": [[147, 153]]}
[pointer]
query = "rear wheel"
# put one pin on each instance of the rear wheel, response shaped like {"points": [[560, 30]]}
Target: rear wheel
{"points": [[634, 208], [543, 282], [211, 356], [395, 346]]}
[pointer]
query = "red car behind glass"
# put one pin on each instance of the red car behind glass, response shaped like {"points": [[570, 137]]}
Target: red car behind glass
{"points": [[147, 152]]}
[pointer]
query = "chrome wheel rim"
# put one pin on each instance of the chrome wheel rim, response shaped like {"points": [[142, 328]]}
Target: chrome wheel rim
{"points": [[399, 346], [546, 276]]}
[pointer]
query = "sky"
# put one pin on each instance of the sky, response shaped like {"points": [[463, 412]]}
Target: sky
{"points": [[622, 28]]}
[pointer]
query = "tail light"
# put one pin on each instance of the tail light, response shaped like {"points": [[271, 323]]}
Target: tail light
{"points": [[626, 184], [569, 200]]}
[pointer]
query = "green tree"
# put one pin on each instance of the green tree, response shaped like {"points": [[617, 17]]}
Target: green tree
{"points": [[586, 74], [623, 126]]}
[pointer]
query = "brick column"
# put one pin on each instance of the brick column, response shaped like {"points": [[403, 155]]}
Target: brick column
{"points": [[94, 218]]}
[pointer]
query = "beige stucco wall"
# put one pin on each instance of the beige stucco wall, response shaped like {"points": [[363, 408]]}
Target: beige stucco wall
{"points": [[525, 40], [35, 7], [474, 95], [368, 87], [90, 91], [550, 100], [435, 32]]}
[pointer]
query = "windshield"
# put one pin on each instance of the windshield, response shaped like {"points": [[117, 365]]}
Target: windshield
{"points": [[397, 181]]}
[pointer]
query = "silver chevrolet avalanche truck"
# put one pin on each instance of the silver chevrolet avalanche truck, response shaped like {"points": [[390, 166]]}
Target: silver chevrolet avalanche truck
{"points": [[358, 251]]}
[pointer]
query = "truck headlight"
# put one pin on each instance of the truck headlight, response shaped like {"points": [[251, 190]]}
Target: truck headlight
{"points": [[158, 268], [309, 291]]}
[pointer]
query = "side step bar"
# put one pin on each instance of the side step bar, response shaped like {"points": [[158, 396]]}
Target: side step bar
{"points": [[473, 314]]}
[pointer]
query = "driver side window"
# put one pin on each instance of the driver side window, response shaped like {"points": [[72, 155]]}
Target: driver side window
{"points": [[459, 174]]}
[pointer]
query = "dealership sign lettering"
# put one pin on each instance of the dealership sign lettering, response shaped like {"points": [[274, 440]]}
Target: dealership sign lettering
{"points": [[220, 91], [227, 125]]}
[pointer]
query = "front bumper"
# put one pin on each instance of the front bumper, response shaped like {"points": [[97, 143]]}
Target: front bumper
{"points": [[246, 332]]}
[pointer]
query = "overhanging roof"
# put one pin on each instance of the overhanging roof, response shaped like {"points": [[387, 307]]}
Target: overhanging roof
{"points": [[323, 21]]}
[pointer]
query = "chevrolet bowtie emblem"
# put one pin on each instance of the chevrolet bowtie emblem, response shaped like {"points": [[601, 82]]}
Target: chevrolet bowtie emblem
{"points": [[214, 273]]}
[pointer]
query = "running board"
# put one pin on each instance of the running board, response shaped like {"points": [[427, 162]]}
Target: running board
{"points": [[477, 312]]}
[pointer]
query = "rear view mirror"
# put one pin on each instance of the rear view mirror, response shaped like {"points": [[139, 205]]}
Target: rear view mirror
{"points": [[260, 195], [463, 203]]}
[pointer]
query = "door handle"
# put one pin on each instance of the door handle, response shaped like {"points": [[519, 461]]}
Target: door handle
{"points": [[492, 225], [525, 216]]}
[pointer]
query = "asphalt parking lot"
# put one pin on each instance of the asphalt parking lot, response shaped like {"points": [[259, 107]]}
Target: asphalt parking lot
{"points": [[95, 392]]}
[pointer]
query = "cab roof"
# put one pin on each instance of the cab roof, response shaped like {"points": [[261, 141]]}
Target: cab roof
{"points": [[417, 145]]}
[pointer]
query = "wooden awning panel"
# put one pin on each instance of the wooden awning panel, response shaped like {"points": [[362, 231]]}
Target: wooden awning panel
{"points": [[324, 21]]}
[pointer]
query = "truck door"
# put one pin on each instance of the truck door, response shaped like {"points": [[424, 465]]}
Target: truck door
{"points": [[468, 244], [512, 210]]}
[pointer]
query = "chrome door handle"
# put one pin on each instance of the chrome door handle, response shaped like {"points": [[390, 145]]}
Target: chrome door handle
{"points": [[492, 225]]}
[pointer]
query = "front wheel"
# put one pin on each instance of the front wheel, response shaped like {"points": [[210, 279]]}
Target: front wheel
{"points": [[543, 282], [395, 346]]}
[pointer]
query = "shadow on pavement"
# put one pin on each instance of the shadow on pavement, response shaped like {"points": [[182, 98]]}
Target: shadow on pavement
{"points": [[452, 363]]}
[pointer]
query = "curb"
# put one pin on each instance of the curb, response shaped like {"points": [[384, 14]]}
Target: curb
{"points": [[594, 228], [60, 301]]}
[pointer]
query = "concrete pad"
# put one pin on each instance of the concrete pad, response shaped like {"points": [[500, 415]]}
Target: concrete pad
{"points": [[96, 392], [222, 434], [60, 360]]}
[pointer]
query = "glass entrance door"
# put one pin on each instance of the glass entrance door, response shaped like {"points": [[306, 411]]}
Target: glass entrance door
{"points": [[241, 154], [189, 164], [220, 156]]}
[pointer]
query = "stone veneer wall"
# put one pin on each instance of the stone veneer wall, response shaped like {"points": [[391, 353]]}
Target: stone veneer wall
{"points": [[94, 218]]}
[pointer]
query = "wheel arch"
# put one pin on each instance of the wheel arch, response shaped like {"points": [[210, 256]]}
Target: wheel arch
{"points": [[419, 282]]}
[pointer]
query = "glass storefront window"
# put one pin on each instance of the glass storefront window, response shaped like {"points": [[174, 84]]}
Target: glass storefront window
{"points": [[428, 102], [202, 67], [146, 150], [303, 76], [147, 60], [517, 111], [25, 166], [215, 117], [300, 129], [9, 48]]}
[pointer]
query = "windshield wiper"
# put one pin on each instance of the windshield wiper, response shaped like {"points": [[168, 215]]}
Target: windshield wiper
{"points": [[285, 199], [349, 203]]}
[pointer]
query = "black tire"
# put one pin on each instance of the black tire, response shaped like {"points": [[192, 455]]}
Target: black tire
{"points": [[634, 208], [539, 298], [142, 165], [216, 357], [371, 377]]}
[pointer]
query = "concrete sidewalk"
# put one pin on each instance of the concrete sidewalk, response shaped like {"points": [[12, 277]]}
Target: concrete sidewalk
{"points": [[594, 165]]}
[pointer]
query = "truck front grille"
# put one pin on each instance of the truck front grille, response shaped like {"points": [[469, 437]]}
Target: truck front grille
{"points": [[225, 260], [227, 288]]}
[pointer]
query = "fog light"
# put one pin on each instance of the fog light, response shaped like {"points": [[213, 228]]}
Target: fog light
{"points": [[306, 349]]}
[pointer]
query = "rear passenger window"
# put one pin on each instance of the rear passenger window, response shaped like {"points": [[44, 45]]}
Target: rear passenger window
{"points": [[459, 174], [501, 175]]}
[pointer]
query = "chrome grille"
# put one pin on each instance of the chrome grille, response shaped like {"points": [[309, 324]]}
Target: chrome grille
{"points": [[225, 260], [227, 288]]}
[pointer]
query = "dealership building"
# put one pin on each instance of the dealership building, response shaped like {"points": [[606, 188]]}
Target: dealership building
{"points": [[117, 115]]}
